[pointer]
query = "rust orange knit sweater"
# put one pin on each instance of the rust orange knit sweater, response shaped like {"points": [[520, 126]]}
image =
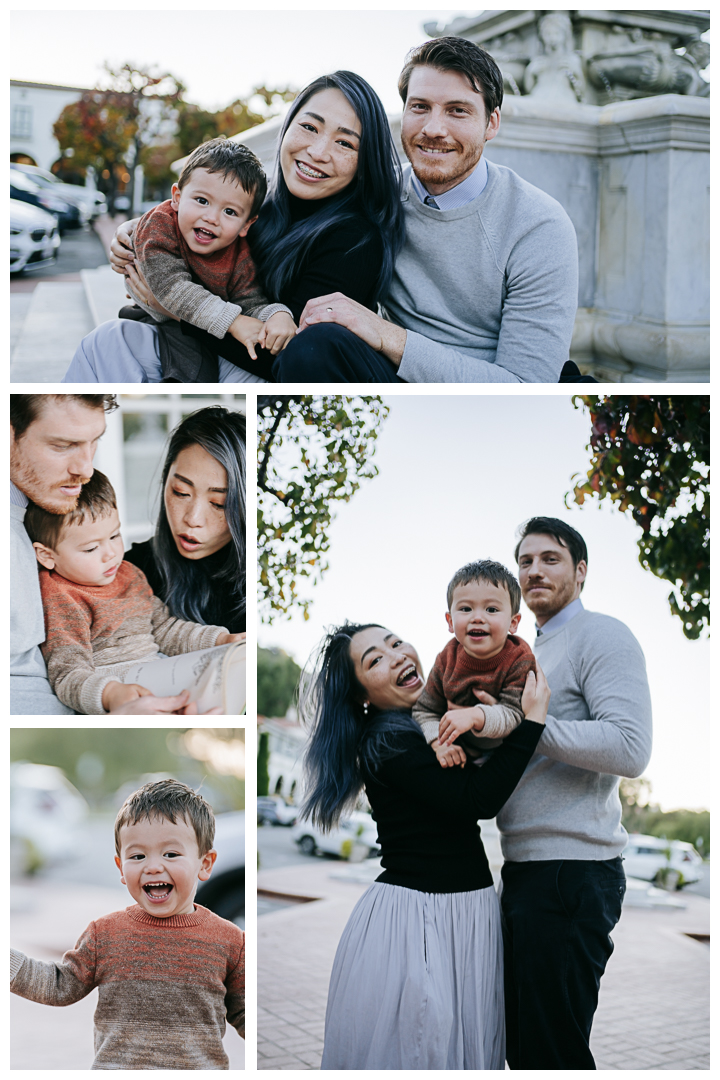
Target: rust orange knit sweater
{"points": [[455, 675], [166, 987], [96, 632]]}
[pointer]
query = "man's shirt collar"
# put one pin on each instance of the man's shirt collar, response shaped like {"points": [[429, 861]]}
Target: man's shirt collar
{"points": [[563, 616], [465, 192], [17, 497]]}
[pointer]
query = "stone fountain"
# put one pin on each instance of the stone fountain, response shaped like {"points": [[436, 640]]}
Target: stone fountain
{"points": [[608, 111]]}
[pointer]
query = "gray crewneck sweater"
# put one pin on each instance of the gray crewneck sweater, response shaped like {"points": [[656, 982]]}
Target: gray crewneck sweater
{"points": [[488, 291], [566, 805]]}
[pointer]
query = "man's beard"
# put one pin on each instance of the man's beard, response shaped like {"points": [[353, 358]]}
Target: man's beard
{"points": [[427, 174], [550, 603], [31, 484]]}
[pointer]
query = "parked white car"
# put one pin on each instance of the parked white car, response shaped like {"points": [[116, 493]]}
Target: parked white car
{"points": [[356, 833], [645, 857], [34, 236], [46, 812], [92, 201]]}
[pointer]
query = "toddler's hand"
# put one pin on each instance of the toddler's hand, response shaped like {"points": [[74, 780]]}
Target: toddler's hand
{"points": [[229, 639], [278, 332], [449, 755], [247, 331], [116, 694], [457, 721]]}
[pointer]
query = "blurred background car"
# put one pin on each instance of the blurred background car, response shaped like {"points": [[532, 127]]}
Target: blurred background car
{"points": [[273, 810], [224, 891], [646, 858], [355, 838], [25, 189], [46, 815], [34, 236], [90, 201]]}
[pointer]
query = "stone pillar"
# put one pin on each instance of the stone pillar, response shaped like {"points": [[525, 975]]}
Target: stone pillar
{"points": [[652, 298]]}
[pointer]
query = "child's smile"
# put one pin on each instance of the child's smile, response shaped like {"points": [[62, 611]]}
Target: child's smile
{"points": [[212, 211], [161, 866]]}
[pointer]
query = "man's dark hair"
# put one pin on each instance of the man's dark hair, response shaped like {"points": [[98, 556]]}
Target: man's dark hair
{"points": [[486, 570], [457, 54], [233, 160], [96, 500], [26, 408], [564, 534], [173, 801]]}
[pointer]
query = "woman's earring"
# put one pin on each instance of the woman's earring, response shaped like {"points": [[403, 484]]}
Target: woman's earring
{"points": [[366, 706]]}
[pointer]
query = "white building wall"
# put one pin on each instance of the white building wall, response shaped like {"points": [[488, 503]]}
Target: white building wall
{"points": [[34, 108]]}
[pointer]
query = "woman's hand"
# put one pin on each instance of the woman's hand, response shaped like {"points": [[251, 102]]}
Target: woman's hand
{"points": [[278, 331], [121, 249], [449, 755], [378, 333], [230, 639], [483, 698], [139, 285], [536, 696]]}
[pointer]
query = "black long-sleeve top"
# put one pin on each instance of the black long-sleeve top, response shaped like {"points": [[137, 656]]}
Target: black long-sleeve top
{"points": [[331, 266], [427, 816], [222, 614]]}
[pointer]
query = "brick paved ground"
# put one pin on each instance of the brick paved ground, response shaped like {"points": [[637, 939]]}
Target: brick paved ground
{"points": [[654, 1001]]}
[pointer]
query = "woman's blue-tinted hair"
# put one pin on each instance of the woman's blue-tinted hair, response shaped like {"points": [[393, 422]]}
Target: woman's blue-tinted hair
{"points": [[190, 589], [343, 739], [280, 248]]}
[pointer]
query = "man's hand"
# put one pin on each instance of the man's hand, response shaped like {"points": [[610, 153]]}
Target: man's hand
{"points": [[136, 278], [116, 694], [383, 336], [229, 639], [248, 332], [536, 696], [278, 331], [121, 247], [449, 755], [457, 721]]}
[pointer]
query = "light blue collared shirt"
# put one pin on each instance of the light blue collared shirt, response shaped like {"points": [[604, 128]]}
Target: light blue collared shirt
{"points": [[563, 616], [465, 192], [17, 497]]}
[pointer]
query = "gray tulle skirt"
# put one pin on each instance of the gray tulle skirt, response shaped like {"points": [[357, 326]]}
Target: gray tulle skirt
{"points": [[417, 983]]}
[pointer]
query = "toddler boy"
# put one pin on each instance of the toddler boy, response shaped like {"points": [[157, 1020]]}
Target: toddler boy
{"points": [[193, 253], [101, 616], [169, 971], [483, 614]]}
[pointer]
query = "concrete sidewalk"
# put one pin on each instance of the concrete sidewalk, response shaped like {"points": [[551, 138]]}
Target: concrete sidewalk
{"points": [[654, 999]]}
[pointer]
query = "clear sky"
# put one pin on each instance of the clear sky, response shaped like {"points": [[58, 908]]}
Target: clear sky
{"points": [[220, 55], [457, 476]]}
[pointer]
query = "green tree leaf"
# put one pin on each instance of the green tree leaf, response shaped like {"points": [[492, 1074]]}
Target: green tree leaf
{"points": [[651, 456]]}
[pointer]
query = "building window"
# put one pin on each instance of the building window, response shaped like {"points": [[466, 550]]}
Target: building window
{"points": [[21, 122], [131, 453]]}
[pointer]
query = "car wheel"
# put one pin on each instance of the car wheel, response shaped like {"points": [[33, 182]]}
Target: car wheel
{"points": [[307, 845]]}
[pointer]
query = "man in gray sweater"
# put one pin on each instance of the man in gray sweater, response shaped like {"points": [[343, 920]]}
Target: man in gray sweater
{"points": [[561, 833], [53, 439], [485, 288]]}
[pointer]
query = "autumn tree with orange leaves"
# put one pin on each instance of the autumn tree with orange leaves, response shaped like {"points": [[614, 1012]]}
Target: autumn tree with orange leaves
{"points": [[650, 456]]}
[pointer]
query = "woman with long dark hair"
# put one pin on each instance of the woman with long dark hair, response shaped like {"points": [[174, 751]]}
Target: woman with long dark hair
{"points": [[417, 978], [332, 222], [195, 562]]}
